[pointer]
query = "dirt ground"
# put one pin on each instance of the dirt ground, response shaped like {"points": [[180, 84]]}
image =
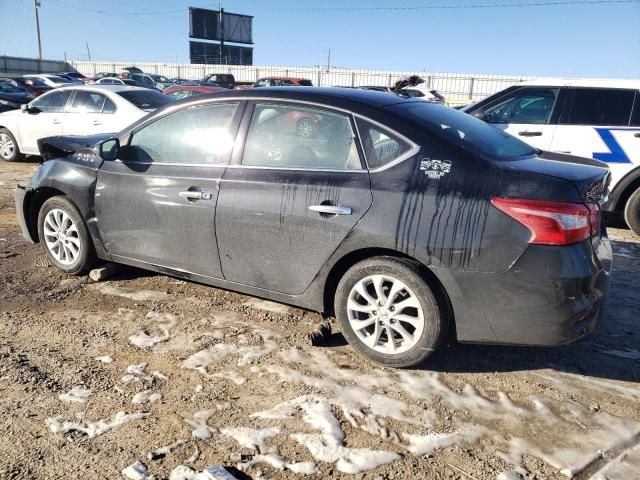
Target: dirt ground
{"points": [[95, 377]]}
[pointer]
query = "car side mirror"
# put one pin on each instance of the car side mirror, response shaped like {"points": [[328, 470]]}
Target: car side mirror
{"points": [[109, 149], [30, 110], [24, 107], [480, 115]]}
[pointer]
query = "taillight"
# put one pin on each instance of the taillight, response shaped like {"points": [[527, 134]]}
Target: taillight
{"points": [[552, 223]]}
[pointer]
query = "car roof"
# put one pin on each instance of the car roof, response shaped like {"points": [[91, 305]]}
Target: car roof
{"points": [[587, 82], [332, 96], [106, 88]]}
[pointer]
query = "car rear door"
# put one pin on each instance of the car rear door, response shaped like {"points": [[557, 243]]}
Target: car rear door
{"points": [[86, 114], [290, 197], [46, 121], [597, 123], [156, 203], [526, 113]]}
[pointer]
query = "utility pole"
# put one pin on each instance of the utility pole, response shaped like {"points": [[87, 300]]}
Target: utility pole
{"points": [[329, 60], [88, 51], [221, 34], [36, 6]]}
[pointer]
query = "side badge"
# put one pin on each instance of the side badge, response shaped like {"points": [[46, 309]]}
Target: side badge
{"points": [[435, 169]]}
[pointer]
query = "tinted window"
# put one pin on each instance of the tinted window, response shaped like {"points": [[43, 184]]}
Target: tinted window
{"points": [[179, 94], [56, 79], [6, 87], [261, 83], [145, 99], [109, 106], [527, 105], [194, 135], [465, 131], [305, 83], [380, 145], [599, 106], [635, 119], [36, 82], [296, 137], [87, 102], [52, 102]]}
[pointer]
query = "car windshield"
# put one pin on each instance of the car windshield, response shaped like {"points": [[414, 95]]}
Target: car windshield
{"points": [[466, 131], [6, 87], [145, 99], [413, 93]]}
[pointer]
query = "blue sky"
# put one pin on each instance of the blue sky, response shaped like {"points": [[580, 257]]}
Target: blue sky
{"points": [[601, 40]]}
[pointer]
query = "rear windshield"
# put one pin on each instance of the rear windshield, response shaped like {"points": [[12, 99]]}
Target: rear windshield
{"points": [[59, 80], [305, 83], [145, 100], [466, 131]]}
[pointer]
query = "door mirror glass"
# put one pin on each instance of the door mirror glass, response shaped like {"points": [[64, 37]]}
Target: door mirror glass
{"points": [[109, 149], [480, 115]]}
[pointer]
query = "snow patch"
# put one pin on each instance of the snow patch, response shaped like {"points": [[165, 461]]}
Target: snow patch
{"points": [[250, 437], [268, 306], [137, 471], [137, 295], [279, 463], [198, 421], [75, 395], [93, 429], [212, 472], [165, 322], [164, 451], [323, 448], [104, 359], [145, 396]]}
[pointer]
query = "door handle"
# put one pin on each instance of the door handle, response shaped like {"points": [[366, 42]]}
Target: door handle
{"points": [[527, 133], [330, 209], [56, 121], [637, 134], [193, 195], [97, 122]]}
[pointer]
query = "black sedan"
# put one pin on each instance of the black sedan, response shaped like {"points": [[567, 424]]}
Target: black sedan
{"points": [[405, 219]]}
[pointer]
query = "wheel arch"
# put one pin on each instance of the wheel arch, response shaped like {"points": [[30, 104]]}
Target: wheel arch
{"points": [[350, 259], [35, 201], [624, 189]]}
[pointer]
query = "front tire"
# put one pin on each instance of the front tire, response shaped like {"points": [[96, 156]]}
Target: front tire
{"points": [[388, 313], [632, 212], [9, 150], [64, 236]]}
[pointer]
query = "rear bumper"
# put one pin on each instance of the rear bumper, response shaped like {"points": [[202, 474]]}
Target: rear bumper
{"points": [[21, 206], [549, 296]]}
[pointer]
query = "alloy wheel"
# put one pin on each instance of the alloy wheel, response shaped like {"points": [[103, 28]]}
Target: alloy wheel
{"points": [[385, 314], [7, 147], [61, 236]]}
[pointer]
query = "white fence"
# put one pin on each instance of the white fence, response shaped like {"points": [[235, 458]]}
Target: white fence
{"points": [[457, 88]]}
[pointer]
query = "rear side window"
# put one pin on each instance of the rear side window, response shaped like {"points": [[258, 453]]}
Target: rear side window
{"points": [[465, 131], [53, 102], [523, 106], [200, 135], [298, 137], [87, 102], [145, 99], [380, 145], [600, 106], [305, 83]]}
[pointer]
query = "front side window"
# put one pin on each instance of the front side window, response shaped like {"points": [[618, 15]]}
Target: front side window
{"points": [[635, 118], [600, 106], [380, 145], [6, 87], [53, 102], [299, 137], [145, 99], [195, 135], [525, 106], [261, 83], [87, 102]]}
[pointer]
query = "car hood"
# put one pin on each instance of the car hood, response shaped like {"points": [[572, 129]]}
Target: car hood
{"points": [[80, 148]]}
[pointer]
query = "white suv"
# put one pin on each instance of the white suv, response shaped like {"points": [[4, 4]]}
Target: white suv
{"points": [[588, 118]]}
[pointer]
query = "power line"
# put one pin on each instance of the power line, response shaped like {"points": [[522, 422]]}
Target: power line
{"points": [[555, 3]]}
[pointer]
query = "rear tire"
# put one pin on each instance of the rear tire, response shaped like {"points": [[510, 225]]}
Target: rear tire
{"points": [[64, 236], [385, 298], [9, 150], [632, 212]]}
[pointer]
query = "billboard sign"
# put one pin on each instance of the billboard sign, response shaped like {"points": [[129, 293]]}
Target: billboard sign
{"points": [[211, 54], [205, 25]]}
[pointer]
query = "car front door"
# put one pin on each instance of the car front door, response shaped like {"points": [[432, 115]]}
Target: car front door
{"points": [[43, 119], [525, 113], [290, 198], [156, 203], [595, 123]]}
